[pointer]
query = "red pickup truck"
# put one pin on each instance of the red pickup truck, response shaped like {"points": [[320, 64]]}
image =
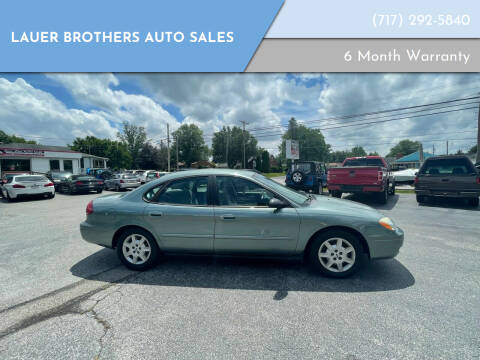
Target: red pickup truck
{"points": [[368, 174]]}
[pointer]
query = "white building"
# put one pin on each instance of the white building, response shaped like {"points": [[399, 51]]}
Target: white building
{"points": [[43, 158]]}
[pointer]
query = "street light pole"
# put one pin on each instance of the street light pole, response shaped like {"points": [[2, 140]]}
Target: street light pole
{"points": [[168, 147]]}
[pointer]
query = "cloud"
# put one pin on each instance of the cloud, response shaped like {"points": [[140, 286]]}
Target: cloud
{"points": [[101, 102], [25, 110]]}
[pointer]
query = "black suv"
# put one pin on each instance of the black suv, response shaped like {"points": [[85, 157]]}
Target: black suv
{"points": [[308, 176]]}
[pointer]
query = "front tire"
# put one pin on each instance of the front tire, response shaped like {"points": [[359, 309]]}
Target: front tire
{"points": [[383, 196], [137, 249], [335, 253], [421, 199], [336, 194]]}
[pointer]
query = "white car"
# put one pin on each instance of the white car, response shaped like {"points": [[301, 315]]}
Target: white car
{"points": [[147, 174], [407, 175], [19, 186]]}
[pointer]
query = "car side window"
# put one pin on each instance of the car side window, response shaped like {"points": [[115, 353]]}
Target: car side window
{"points": [[188, 191], [236, 191]]}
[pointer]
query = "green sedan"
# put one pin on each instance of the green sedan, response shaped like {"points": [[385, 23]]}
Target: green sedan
{"points": [[238, 212]]}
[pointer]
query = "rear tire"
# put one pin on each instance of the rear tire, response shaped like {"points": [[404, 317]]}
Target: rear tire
{"points": [[336, 194], [9, 199], [383, 196], [421, 199], [117, 188], [392, 190], [51, 196], [474, 202], [335, 253], [137, 249], [99, 191]]}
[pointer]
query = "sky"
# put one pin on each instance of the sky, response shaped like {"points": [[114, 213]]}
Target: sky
{"points": [[55, 108]]}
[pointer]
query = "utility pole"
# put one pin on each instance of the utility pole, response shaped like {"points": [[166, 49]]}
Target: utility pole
{"points": [[433, 149], [168, 147], [447, 147], [176, 143], [226, 149], [244, 162], [477, 159]]}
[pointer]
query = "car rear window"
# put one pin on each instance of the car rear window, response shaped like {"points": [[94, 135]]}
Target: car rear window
{"points": [[363, 162], [459, 166], [30, 178], [306, 168]]}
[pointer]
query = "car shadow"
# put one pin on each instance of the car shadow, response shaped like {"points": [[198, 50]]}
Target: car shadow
{"points": [[280, 276], [369, 200], [449, 203]]}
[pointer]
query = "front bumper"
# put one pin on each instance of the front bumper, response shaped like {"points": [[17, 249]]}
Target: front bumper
{"points": [[448, 194], [386, 245]]}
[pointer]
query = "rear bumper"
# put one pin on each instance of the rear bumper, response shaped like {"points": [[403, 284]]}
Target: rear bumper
{"points": [[355, 188], [129, 185], [95, 234], [23, 193], [448, 194], [301, 186], [86, 188]]}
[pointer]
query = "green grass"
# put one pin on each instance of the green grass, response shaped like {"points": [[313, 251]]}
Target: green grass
{"points": [[270, 175], [404, 191]]}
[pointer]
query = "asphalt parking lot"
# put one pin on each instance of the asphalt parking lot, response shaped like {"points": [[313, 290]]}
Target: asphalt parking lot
{"points": [[64, 298]]}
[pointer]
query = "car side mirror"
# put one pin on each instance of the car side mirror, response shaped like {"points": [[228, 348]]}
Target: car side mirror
{"points": [[277, 203], [416, 173]]}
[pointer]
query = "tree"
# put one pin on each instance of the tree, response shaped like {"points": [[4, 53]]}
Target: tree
{"points": [[311, 142], [115, 151], [358, 151], [234, 137], [373, 153], [134, 137], [9, 139], [473, 150], [265, 161], [191, 146], [403, 148]]}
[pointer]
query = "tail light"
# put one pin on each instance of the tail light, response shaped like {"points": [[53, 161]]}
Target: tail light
{"points": [[100, 182], [89, 209], [380, 175], [17, 186], [49, 184], [157, 175], [478, 179], [121, 181], [415, 181], [79, 183]]}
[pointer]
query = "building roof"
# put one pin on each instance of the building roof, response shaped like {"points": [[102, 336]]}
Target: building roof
{"points": [[93, 156], [414, 157], [21, 146]]}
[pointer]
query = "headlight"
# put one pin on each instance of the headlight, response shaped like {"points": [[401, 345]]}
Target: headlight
{"points": [[387, 223]]}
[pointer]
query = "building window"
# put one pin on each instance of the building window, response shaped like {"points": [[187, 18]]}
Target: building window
{"points": [[68, 165], [82, 165], [98, 163], [15, 165], [55, 165]]}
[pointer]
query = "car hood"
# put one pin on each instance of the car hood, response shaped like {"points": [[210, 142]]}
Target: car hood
{"points": [[345, 207]]}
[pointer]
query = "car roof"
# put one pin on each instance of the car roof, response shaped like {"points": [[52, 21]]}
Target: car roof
{"points": [[448, 157], [205, 172]]}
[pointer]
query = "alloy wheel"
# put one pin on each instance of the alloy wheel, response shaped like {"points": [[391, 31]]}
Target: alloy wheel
{"points": [[136, 249], [336, 255]]}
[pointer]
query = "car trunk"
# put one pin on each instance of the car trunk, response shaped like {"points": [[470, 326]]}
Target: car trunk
{"points": [[354, 175], [446, 182]]}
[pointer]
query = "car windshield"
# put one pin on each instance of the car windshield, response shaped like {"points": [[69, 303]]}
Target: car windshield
{"points": [[30, 178], [304, 167], [455, 166], [363, 162], [288, 193]]}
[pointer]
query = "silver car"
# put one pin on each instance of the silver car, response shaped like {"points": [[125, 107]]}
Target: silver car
{"points": [[121, 181], [222, 211]]}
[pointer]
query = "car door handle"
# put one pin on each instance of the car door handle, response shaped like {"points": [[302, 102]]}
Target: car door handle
{"points": [[228, 217], [156, 214]]}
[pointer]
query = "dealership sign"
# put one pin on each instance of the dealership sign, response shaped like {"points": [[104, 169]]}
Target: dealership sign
{"points": [[292, 149], [21, 153]]}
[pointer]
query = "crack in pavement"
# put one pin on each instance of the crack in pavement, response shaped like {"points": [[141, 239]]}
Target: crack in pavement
{"points": [[61, 302]]}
